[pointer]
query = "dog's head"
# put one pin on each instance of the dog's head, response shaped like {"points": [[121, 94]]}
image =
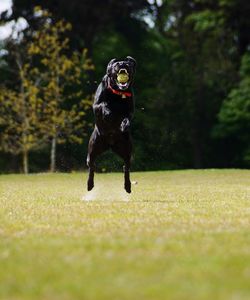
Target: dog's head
{"points": [[121, 72]]}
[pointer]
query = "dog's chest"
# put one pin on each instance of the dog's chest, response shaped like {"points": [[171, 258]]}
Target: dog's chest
{"points": [[118, 107]]}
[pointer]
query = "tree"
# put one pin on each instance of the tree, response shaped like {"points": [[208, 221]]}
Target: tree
{"points": [[65, 101], [51, 102], [20, 116], [194, 79], [234, 116], [89, 18]]}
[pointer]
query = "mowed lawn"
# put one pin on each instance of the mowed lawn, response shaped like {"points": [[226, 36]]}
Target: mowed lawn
{"points": [[180, 235]]}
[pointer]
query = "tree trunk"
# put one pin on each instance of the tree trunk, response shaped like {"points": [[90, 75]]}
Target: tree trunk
{"points": [[25, 162], [197, 150], [53, 155], [199, 120]]}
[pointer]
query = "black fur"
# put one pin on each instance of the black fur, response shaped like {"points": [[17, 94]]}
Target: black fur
{"points": [[113, 113]]}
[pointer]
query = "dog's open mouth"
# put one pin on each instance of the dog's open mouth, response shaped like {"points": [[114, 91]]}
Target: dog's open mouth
{"points": [[122, 79]]}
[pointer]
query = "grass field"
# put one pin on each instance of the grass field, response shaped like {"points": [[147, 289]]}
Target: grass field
{"points": [[181, 235]]}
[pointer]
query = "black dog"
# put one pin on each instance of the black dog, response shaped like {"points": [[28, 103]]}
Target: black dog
{"points": [[113, 108]]}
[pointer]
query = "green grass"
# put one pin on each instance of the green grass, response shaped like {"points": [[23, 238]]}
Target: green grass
{"points": [[181, 235]]}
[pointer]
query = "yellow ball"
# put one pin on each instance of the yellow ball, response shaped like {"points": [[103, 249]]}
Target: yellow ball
{"points": [[122, 78]]}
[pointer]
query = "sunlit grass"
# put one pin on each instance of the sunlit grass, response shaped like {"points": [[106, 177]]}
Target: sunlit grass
{"points": [[180, 235]]}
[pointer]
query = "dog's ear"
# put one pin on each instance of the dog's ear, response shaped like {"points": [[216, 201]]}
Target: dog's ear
{"points": [[132, 60], [109, 66]]}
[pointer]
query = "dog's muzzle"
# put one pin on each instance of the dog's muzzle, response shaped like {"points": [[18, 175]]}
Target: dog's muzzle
{"points": [[122, 79]]}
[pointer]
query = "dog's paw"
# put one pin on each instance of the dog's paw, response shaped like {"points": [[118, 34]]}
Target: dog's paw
{"points": [[90, 184], [125, 124], [127, 187]]}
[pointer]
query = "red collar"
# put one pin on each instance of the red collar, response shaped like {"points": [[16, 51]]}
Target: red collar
{"points": [[120, 93]]}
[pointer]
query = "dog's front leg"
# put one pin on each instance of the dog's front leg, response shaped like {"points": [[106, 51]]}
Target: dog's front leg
{"points": [[106, 112], [102, 109], [125, 124]]}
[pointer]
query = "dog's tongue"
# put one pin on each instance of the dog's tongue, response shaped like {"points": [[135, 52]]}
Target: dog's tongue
{"points": [[122, 78]]}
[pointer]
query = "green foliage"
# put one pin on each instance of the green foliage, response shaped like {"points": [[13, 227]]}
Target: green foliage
{"points": [[51, 103], [21, 113], [235, 112], [234, 116], [59, 73], [20, 116], [206, 20], [245, 66]]}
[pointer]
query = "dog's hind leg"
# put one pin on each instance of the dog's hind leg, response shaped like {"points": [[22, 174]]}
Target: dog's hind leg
{"points": [[95, 148], [126, 169], [91, 166], [124, 150]]}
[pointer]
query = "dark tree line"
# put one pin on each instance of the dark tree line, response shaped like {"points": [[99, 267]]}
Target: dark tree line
{"points": [[192, 84]]}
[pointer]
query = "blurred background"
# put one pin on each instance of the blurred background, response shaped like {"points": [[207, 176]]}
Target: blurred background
{"points": [[192, 87]]}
